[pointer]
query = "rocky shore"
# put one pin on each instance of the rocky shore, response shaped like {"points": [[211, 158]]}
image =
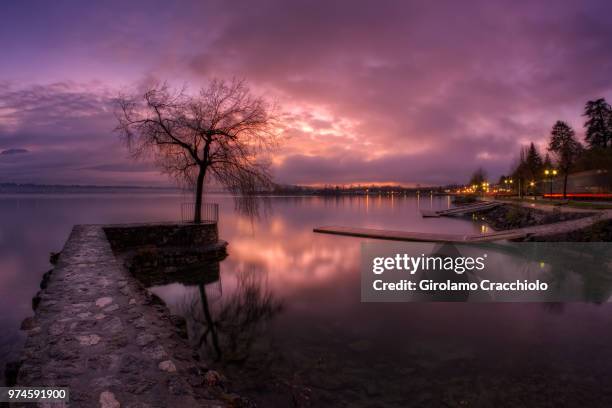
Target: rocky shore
{"points": [[509, 216]]}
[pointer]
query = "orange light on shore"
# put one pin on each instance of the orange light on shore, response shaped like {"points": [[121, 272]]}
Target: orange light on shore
{"points": [[579, 195]]}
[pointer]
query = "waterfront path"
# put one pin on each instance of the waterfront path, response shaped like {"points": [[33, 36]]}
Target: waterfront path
{"points": [[98, 332], [515, 234]]}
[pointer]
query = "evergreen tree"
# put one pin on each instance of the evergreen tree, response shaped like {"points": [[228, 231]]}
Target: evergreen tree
{"points": [[521, 171], [533, 162], [564, 145], [599, 123]]}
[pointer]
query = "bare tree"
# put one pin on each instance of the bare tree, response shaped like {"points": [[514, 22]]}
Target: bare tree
{"points": [[222, 133]]}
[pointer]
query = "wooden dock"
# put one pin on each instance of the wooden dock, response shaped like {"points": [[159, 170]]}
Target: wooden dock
{"points": [[462, 210], [515, 234], [420, 236]]}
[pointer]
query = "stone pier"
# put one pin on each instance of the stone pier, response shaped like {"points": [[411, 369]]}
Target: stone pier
{"points": [[97, 331]]}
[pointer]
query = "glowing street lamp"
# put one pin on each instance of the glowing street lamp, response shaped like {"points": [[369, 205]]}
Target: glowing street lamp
{"points": [[550, 174], [508, 181]]}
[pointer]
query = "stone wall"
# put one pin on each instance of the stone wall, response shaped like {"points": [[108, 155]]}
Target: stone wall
{"points": [[160, 266], [129, 236], [164, 253]]}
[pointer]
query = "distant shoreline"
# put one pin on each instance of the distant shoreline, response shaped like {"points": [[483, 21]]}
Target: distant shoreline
{"points": [[286, 191]]}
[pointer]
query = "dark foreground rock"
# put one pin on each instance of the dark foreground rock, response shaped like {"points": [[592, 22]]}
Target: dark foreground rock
{"points": [[10, 373], [98, 332]]}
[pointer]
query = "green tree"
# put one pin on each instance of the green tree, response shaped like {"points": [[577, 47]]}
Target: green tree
{"points": [[599, 123], [564, 145]]}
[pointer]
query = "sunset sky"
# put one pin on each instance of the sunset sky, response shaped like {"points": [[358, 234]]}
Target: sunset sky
{"points": [[370, 91]]}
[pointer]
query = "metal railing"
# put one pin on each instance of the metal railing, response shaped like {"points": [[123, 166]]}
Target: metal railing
{"points": [[210, 212]]}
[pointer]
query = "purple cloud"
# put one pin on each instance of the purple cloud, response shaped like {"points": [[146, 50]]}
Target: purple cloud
{"points": [[406, 92], [13, 151]]}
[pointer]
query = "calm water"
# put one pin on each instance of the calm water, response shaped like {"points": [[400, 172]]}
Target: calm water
{"points": [[291, 329]]}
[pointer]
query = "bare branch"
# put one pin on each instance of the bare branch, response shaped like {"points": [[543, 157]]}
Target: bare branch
{"points": [[223, 132]]}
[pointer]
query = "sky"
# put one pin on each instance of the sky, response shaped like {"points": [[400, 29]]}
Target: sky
{"points": [[370, 91]]}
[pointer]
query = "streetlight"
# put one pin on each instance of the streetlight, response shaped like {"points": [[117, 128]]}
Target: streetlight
{"points": [[508, 181], [550, 174], [485, 187]]}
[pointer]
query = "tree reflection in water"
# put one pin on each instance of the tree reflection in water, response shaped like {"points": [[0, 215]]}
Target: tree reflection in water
{"points": [[228, 330], [253, 208]]}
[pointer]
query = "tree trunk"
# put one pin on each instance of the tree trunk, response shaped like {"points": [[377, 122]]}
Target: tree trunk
{"points": [[564, 185], [197, 217], [209, 321]]}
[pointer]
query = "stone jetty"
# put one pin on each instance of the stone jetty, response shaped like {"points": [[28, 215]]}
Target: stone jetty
{"points": [[97, 331]]}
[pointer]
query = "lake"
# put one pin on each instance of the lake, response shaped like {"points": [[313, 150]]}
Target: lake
{"points": [[291, 327]]}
